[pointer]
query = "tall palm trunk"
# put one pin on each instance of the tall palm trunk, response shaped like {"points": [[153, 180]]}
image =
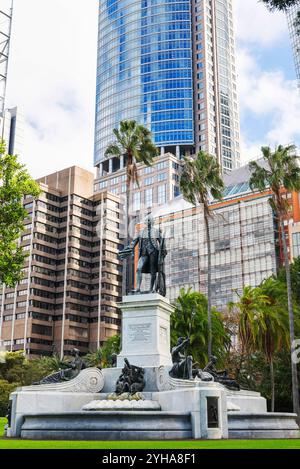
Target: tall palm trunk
{"points": [[272, 379], [295, 387], [208, 284], [127, 239]]}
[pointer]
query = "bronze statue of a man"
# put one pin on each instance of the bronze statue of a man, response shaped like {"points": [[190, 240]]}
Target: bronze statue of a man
{"points": [[152, 253]]}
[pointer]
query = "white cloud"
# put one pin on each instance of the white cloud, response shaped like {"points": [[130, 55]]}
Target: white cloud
{"points": [[256, 25], [265, 94], [53, 79], [271, 99]]}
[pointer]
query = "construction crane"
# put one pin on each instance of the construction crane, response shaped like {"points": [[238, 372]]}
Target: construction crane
{"points": [[6, 10]]}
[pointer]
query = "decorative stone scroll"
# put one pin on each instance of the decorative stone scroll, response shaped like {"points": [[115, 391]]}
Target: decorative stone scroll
{"points": [[166, 383], [89, 380]]}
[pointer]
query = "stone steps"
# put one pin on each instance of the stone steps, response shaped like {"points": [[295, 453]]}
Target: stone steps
{"points": [[264, 425], [123, 425], [150, 425]]}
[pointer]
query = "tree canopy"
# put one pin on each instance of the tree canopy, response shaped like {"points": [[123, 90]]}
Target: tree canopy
{"points": [[15, 184], [280, 5], [201, 177], [190, 320], [134, 141]]}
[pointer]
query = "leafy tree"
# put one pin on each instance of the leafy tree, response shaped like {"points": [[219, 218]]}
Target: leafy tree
{"points": [[281, 170], [201, 177], [133, 141], [253, 372], [190, 320], [111, 347], [5, 389], [280, 5], [12, 367], [15, 368], [295, 278], [15, 183]]}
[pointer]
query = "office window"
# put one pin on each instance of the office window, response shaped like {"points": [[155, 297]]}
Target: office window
{"points": [[161, 177], [161, 194], [296, 244], [148, 197], [136, 201], [148, 181]]}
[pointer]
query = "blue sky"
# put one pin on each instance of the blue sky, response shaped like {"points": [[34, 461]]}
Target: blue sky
{"points": [[269, 59], [53, 78], [269, 98]]}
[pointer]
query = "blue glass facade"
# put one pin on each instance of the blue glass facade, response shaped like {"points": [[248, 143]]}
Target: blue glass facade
{"points": [[292, 15], [144, 70]]}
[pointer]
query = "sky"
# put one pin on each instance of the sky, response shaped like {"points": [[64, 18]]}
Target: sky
{"points": [[52, 78]]}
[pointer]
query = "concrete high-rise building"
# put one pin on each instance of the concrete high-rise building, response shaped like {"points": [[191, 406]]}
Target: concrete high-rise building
{"points": [[158, 183], [294, 29], [171, 66], [246, 246], [72, 278]]}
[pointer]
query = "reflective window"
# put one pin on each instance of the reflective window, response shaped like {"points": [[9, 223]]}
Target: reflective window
{"points": [[144, 70]]}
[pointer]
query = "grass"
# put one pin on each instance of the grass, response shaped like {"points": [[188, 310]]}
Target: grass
{"points": [[192, 444]]}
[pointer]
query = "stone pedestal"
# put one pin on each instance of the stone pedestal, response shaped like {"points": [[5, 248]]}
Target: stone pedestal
{"points": [[205, 404], [145, 330]]}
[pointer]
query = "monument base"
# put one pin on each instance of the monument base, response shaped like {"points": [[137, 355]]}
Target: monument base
{"points": [[145, 330], [170, 408], [194, 409]]}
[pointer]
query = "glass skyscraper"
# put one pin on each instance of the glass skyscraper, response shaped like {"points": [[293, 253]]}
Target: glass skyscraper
{"points": [[169, 64], [295, 36]]}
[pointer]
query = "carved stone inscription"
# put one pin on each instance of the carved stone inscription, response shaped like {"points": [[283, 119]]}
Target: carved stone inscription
{"points": [[139, 332], [163, 335]]}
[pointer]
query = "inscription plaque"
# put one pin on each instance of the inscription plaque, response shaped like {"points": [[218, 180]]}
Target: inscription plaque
{"points": [[139, 332]]}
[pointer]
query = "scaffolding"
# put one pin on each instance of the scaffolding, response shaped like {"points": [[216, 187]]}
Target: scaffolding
{"points": [[6, 10]]}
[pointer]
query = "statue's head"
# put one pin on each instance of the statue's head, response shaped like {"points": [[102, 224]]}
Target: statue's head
{"points": [[75, 352], [149, 220], [180, 340], [213, 359]]}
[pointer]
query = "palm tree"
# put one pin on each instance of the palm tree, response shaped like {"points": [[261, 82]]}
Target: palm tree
{"points": [[281, 171], [133, 141], [274, 326], [190, 320], [200, 179], [248, 306], [263, 323], [94, 358], [104, 356]]}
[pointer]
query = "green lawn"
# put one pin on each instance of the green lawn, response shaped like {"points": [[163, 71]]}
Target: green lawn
{"points": [[219, 444]]}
